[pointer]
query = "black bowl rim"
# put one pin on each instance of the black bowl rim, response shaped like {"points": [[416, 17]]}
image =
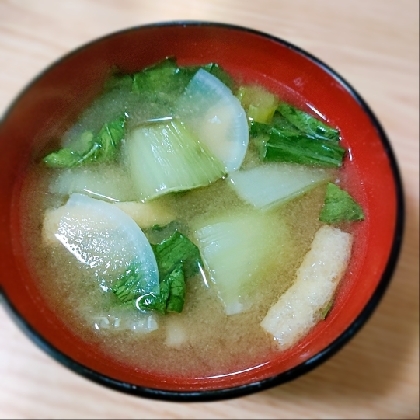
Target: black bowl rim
{"points": [[284, 377]]}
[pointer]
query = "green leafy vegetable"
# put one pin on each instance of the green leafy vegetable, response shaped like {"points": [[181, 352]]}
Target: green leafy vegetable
{"points": [[178, 259], [294, 136], [157, 233], [176, 282], [166, 78], [119, 80], [102, 147], [169, 252], [171, 296], [282, 123], [308, 124], [220, 73], [130, 285], [339, 206], [162, 80], [64, 158], [285, 144]]}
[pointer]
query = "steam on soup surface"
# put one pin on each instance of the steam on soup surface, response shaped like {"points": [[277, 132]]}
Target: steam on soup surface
{"points": [[189, 224]]}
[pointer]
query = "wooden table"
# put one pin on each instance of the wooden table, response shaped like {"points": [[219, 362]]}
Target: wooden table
{"points": [[374, 44]]}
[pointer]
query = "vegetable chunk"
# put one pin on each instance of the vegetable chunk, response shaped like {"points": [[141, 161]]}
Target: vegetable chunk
{"points": [[107, 182], [339, 206], [275, 183], [104, 240], [236, 248], [100, 147], [178, 259], [166, 157], [259, 103], [216, 117], [300, 307]]}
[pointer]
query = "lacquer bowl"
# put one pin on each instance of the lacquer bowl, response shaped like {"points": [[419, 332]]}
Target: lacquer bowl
{"points": [[51, 101]]}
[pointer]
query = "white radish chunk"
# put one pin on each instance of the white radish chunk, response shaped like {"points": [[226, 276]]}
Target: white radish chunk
{"points": [[235, 249], [109, 183], [166, 157], [217, 117], [274, 183], [104, 239]]}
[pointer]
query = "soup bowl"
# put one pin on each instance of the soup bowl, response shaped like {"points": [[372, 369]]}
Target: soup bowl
{"points": [[51, 103]]}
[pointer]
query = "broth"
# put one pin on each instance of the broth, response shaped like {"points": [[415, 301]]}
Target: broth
{"points": [[213, 343]]}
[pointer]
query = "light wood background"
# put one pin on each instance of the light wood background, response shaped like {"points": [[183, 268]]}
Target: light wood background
{"points": [[374, 44]]}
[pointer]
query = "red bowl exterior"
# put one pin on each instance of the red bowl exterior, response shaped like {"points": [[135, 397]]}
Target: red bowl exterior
{"points": [[52, 101]]}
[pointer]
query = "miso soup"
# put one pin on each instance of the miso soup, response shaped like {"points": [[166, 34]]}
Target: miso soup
{"points": [[173, 224]]}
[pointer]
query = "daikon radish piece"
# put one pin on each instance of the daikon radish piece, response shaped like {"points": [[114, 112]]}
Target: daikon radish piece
{"points": [[235, 248], [271, 184], [166, 157], [104, 240], [110, 183], [217, 117]]}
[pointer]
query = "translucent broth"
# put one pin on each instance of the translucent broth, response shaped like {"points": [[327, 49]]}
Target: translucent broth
{"points": [[216, 344]]}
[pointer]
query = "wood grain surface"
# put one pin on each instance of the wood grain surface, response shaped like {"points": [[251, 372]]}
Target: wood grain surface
{"points": [[374, 44]]}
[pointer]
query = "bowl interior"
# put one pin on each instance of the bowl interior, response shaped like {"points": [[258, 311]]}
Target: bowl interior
{"points": [[52, 102]]}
